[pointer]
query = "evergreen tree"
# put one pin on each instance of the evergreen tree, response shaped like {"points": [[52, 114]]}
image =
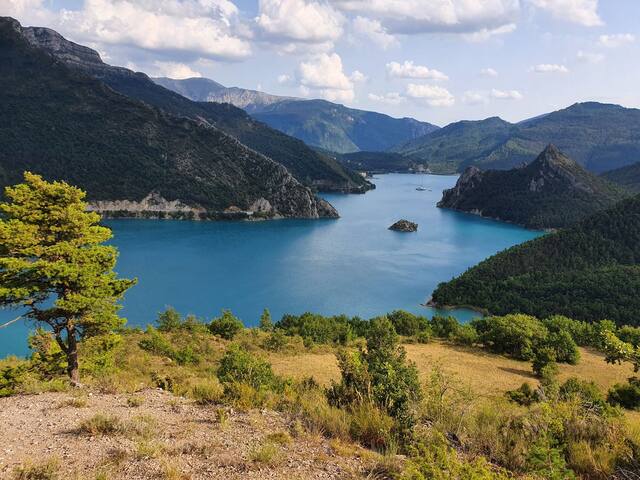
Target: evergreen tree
{"points": [[54, 266], [266, 324]]}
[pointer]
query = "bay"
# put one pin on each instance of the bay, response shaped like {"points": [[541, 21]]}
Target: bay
{"points": [[352, 265]]}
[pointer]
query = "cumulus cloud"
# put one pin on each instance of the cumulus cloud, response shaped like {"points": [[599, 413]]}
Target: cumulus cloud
{"points": [[589, 57], [358, 77], [583, 12], [616, 40], [485, 34], [506, 94], [432, 95], [488, 72], [549, 68], [374, 31], [324, 74], [175, 70], [409, 70], [426, 16], [391, 98], [472, 97], [284, 78], [299, 21], [203, 28]]}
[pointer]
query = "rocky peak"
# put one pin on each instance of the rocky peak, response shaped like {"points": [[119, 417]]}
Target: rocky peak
{"points": [[552, 165], [69, 52]]}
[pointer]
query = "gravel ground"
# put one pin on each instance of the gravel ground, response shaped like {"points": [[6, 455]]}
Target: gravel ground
{"points": [[175, 439]]}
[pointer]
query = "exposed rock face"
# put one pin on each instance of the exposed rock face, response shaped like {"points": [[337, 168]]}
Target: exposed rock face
{"points": [[131, 158], [551, 192], [404, 226]]}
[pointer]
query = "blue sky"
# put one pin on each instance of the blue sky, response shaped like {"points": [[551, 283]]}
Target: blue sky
{"points": [[435, 60]]}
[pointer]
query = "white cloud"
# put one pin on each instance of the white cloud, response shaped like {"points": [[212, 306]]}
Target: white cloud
{"points": [[374, 31], [506, 94], [549, 68], [485, 34], [29, 12], [391, 98], [358, 77], [299, 21], [488, 72], [284, 79], [590, 57], [409, 70], [432, 95], [425, 16], [175, 70], [199, 27], [616, 40], [324, 74], [583, 12]]}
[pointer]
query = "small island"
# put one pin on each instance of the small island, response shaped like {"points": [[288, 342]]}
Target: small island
{"points": [[404, 226]]}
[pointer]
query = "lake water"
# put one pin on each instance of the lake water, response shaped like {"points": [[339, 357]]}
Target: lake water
{"points": [[352, 265]]}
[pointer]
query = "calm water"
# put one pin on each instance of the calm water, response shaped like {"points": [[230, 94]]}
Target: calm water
{"points": [[353, 265]]}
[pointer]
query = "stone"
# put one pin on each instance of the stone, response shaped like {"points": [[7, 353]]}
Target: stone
{"points": [[404, 226]]}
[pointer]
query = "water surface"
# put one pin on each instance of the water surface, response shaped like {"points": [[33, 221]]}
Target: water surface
{"points": [[351, 265]]}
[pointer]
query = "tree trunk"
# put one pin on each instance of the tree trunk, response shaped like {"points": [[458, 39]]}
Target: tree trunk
{"points": [[73, 368]]}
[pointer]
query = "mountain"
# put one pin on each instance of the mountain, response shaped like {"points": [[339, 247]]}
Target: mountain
{"points": [[207, 90], [590, 271], [627, 177], [308, 166], [132, 159], [319, 123], [553, 191], [600, 137], [378, 162]]}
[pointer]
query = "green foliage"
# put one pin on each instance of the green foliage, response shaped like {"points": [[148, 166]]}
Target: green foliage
{"points": [[406, 323], [239, 366], [444, 327], [630, 335], [276, 341], [524, 395], [626, 395], [589, 271], [47, 358], [563, 347], [266, 324], [54, 265], [465, 335], [627, 177], [516, 335], [169, 320], [226, 326], [11, 377], [548, 462], [156, 343], [583, 333], [337, 330], [544, 361], [207, 392]]}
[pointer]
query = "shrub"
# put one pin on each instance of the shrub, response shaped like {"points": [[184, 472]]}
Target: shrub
{"points": [[465, 335], [266, 324], [586, 392], [169, 320], [226, 326], [444, 327], [582, 333], [424, 336], [564, 347], [155, 342], [47, 358], [207, 392], [318, 329], [101, 424], [275, 342], [630, 335], [240, 366], [515, 335], [524, 395], [543, 357], [406, 323], [371, 427], [268, 453], [47, 470], [11, 377], [627, 395]]}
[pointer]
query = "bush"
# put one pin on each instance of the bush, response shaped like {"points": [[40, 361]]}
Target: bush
{"points": [[371, 427], [406, 323], [564, 347], [627, 395], [317, 329], [240, 366], [586, 392], [465, 335], [424, 336], [444, 327], [275, 342], [515, 335], [543, 358], [630, 335], [169, 320], [524, 395], [582, 333], [226, 326], [207, 392], [266, 324], [155, 342], [101, 424], [47, 470]]}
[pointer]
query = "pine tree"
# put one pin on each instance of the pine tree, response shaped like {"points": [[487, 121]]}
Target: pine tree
{"points": [[54, 266]]}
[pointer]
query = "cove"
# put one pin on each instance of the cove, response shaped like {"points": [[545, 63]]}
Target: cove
{"points": [[352, 265]]}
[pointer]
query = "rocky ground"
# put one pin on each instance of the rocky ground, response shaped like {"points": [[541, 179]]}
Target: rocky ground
{"points": [[154, 434]]}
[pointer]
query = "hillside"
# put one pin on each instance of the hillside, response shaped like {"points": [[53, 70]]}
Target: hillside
{"points": [[553, 191], [308, 166], [589, 271], [627, 177], [319, 123], [598, 136], [131, 158], [378, 162]]}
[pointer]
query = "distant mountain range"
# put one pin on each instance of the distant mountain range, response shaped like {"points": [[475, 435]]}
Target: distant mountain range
{"points": [[590, 271], [628, 177], [59, 119], [600, 137], [553, 191], [326, 125]]}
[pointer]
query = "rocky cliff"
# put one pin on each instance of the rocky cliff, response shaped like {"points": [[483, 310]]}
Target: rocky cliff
{"points": [[551, 192], [130, 157]]}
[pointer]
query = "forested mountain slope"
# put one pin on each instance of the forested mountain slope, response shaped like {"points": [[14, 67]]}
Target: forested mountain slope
{"points": [[131, 158], [627, 177]]}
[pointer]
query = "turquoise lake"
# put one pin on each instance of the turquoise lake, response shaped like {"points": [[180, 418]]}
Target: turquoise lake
{"points": [[352, 265]]}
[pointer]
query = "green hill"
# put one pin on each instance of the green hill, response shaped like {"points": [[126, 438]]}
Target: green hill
{"points": [[553, 191], [131, 158], [600, 137], [308, 166], [628, 177], [590, 271]]}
